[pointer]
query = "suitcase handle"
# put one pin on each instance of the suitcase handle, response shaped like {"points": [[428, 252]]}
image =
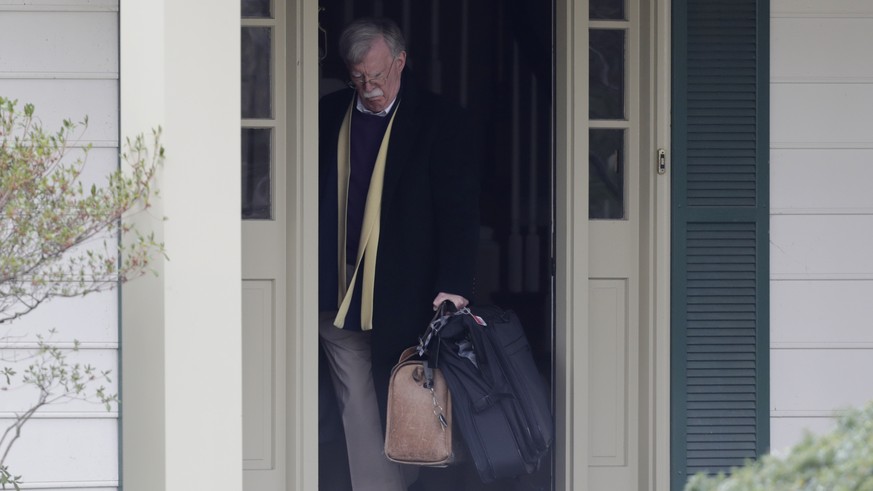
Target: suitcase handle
{"points": [[440, 319]]}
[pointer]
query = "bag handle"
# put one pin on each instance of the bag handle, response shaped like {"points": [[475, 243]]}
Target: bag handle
{"points": [[407, 354], [440, 319]]}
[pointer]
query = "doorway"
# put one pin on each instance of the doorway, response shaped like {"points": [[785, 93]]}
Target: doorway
{"points": [[494, 58], [597, 314]]}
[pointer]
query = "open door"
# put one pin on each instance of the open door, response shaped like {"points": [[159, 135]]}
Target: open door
{"points": [[264, 215]]}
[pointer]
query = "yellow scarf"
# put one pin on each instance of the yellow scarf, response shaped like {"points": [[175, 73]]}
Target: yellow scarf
{"points": [[369, 231]]}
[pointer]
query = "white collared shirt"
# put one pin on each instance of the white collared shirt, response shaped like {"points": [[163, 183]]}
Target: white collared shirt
{"points": [[360, 107]]}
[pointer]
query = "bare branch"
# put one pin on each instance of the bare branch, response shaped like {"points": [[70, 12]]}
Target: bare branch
{"points": [[47, 219], [50, 232]]}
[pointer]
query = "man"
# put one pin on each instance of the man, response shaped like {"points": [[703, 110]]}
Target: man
{"points": [[398, 229]]}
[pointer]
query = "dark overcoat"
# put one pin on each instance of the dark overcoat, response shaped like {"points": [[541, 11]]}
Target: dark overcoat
{"points": [[429, 225]]}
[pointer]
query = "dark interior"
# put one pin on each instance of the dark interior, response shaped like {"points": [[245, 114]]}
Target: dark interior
{"points": [[494, 58]]}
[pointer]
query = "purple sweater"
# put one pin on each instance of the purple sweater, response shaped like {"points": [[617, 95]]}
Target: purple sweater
{"points": [[366, 137]]}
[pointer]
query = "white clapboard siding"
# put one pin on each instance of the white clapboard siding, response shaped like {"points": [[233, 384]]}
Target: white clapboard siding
{"points": [[821, 181], [815, 49], [821, 9], [98, 328], [813, 313], [56, 100], [799, 110], [76, 486], [822, 213], [100, 162], [821, 247], [76, 44], [819, 381], [788, 430], [59, 5], [20, 398], [82, 450], [62, 56]]}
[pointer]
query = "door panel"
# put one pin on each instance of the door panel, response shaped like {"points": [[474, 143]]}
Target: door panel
{"points": [[264, 357], [608, 302], [258, 308], [264, 247], [614, 359], [615, 126]]}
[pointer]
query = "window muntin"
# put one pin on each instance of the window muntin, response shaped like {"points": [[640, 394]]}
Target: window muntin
{"points": [[258, 108], [612, 115]]}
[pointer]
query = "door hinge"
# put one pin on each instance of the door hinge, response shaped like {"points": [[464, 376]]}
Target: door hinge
{"points": [[662, 161]]}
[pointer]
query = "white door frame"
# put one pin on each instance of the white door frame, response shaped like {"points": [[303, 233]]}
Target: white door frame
{"points": [[302, 229], [571, 226], [655, 246], [572, 331]]}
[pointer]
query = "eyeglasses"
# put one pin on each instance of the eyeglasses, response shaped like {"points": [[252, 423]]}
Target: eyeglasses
{"points": [[378, 81]]}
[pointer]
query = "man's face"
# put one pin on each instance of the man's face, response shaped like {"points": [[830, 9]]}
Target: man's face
{"points": [[377, 77]]}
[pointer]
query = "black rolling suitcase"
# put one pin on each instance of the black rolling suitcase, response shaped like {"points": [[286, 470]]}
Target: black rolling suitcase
{"points": [[500, 402]]}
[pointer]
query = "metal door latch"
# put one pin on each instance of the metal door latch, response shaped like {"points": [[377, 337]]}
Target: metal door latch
{"points": [[662, 161]]}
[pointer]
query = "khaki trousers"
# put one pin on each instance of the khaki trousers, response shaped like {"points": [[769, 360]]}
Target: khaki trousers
{"points": [[348, 353]]}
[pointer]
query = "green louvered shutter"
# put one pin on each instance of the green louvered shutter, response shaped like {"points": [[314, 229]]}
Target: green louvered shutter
{"points": [[720, 284]]}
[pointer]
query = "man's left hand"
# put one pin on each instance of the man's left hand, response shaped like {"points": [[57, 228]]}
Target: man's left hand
{"points": [[459, 301]]}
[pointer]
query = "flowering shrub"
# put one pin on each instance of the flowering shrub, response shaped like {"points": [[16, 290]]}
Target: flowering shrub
{"points": [[841, 460]]}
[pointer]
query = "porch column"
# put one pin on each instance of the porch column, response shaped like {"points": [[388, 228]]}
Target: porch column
{"points": [[181, 330]]}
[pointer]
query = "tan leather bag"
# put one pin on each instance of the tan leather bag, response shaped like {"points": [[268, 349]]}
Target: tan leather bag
{"points": [[419, 420]]}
